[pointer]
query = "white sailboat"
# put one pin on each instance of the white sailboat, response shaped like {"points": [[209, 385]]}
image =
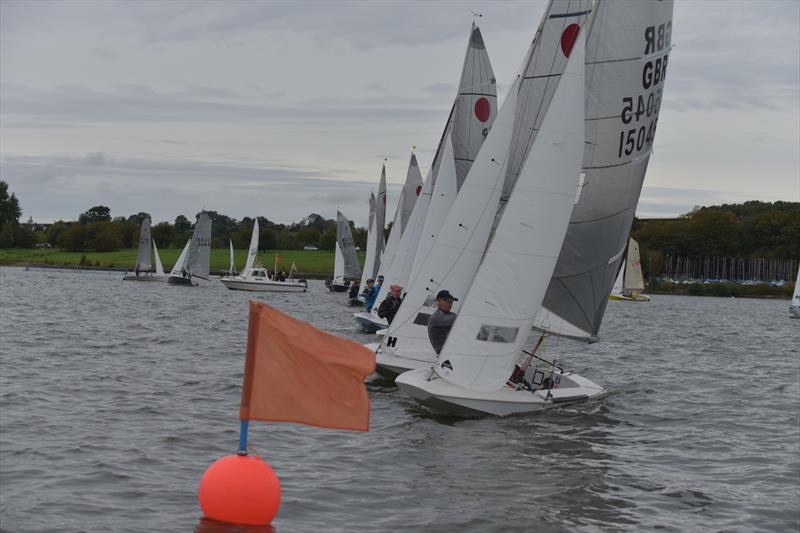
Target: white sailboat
{"points": [[473, 369], [143, 271], [369, 321], [794, 307], [630, 282], [255, 277], [195, 259], [626, 53], [345, 258]]}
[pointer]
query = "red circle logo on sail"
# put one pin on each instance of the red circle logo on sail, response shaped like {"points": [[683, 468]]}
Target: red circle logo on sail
{"points": [[419, 189], [483, 109], [568, 38]]}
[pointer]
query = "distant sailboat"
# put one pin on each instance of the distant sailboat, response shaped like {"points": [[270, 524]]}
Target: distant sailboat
{"points": [[629, 282], [143, 271], [794, 307], [345, 259], [195, 259], [232, 268], [255, 277]]}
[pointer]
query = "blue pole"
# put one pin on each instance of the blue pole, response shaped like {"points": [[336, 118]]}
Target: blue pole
{"points": [[243, 437]]}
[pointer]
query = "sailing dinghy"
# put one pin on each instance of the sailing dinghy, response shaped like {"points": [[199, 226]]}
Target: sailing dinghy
{"points": [[630, 282], [345, 259], [255, 277], [626, 54], [143, 271], [195, 259], [794, 307]]}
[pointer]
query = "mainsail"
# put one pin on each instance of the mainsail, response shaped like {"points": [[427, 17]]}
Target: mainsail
{"points": [[475, 106], [199, 257], [627, 49], [144, 261], [347, 248], [633, 268], [368, 272], [506, 292], [380, 223], [232, 268], [253, 250]]}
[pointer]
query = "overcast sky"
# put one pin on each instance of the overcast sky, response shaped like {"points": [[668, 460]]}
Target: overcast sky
{"points": [[282, 109]]}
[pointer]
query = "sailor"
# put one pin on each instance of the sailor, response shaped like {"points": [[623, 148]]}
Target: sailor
{"points": [[353, 290], [441, 321], [369, 294], [391, 304], [379, 284], [137, 270]]}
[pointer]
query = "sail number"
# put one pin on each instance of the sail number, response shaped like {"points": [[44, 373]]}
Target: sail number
{"points": [[643, 108]]}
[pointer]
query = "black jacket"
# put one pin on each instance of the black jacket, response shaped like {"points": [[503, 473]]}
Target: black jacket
{"points": [[389, 307]]}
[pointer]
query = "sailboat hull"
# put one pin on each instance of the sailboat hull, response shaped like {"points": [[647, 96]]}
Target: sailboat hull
{"points": [[145, 277], [390, 366], [434, 392], [370, 323], [180, 280], [794, 310], [631, 298], [263, 285], [335, 287]]}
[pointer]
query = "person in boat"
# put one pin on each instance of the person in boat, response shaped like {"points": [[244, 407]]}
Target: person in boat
{"points": [[391, 304], [183, 272], [353, 290], [369, 294], [441, 321], [379, 284], [136, 270]]}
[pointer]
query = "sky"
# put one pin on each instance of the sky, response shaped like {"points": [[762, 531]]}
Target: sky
{"points": [[282, 109]]}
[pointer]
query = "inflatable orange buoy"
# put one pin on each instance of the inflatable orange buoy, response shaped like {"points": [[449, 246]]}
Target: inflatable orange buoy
{"points": [[240, 489]]}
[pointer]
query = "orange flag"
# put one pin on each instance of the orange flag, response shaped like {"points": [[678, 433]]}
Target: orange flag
{"points": [[297, 373]]}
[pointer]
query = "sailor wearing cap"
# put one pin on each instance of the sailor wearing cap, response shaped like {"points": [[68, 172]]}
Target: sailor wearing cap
{"points": [[441, 321]]}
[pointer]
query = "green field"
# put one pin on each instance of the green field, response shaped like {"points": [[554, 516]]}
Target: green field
{"points": [[310, 263]]}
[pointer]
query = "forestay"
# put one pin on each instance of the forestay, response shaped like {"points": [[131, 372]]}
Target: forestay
{"points": [[507, 290], [456, 252], [199, 257], [144, 260], [628, 45]]}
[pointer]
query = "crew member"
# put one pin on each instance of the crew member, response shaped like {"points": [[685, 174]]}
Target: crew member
{"points": [[441, 321]]}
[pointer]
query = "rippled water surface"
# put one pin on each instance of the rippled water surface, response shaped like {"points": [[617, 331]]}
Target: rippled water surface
{"points": [[115, 396]]}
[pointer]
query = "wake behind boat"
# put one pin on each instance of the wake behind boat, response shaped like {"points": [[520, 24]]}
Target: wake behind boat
{"points": [[256, 278]]}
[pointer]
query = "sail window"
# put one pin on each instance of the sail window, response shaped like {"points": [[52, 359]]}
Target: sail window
{"points": [[422, 319], [581, 184], [497, 334]]}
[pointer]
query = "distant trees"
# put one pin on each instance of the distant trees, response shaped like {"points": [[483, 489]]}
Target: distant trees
{"points": [[98, 213], [11, 232]]}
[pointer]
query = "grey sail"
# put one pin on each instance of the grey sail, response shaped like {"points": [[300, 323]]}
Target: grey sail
{"points": [[380, 222], [199, 255], [628, 45], [475, 107], [144, 257], [344, 237]]}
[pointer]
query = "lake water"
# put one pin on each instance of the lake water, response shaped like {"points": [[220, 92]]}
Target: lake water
{"points": [[115, 397]]}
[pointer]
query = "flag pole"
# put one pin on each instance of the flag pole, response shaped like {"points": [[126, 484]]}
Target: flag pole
{"points": [[243, 437]]}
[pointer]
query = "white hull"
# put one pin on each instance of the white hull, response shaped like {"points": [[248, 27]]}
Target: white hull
{"points": [[263, 285], [629, 298], [370, 323], [445, 396], [794, 311], [145, 277], [390, 366]]}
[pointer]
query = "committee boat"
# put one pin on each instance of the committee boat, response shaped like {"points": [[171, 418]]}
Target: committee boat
{"points": [[256, 278], [195, 259]]}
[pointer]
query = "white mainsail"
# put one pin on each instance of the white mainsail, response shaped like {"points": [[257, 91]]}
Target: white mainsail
{"points": [[144, 260], [794, 307], [634, 281], [456, 251], [253, 250], [616, 290], [368, 272], [232, 268], [380, 223], [180, 264], [198, 259], [627, 50], [475, 106], [346, 250], [506, 292], [159, 266], [338, 264]]}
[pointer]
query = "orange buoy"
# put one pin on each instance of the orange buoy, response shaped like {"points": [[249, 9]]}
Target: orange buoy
{"points": [[240, 489]]}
